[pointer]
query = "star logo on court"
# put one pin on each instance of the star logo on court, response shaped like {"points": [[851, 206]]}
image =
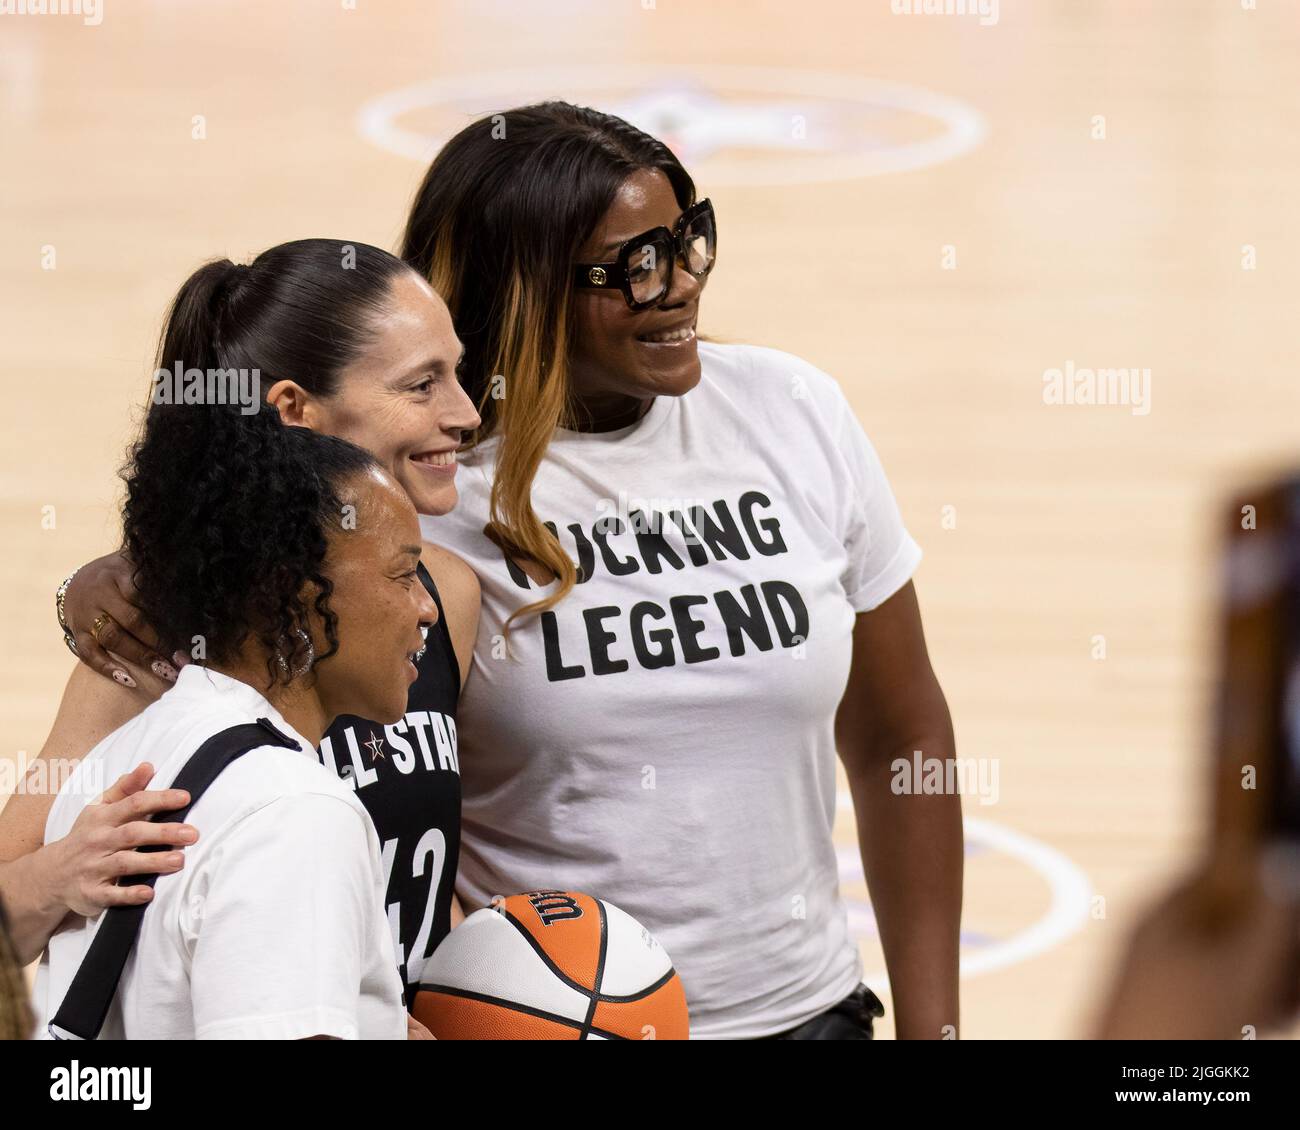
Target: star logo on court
{"points": [[752, 124], [375, 745], [696, 121]]}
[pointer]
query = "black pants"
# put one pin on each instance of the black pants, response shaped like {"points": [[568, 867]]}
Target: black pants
{"points": [[849, 1020]]}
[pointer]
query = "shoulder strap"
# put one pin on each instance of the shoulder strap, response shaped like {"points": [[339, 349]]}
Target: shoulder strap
{"points": [[82, 1013], [442, 629]]}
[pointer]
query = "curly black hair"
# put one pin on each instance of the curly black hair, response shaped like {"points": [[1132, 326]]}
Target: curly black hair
{"points": [[228, 511], [227, 520]]}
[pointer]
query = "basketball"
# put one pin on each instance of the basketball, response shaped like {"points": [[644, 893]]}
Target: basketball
{"points": [[551, 965]]}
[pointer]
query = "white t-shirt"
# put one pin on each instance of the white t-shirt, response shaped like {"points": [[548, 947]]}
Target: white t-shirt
{"points": [[275, 927], [663, 738]]}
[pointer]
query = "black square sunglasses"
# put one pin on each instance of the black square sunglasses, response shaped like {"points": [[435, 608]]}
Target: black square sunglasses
{"points": [[643, 269]]}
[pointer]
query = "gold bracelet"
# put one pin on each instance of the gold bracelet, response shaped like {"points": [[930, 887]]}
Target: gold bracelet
{"points": [[59, 594]]}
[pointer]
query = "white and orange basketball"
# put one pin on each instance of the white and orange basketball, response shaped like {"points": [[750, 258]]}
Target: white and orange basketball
{"points": [[551, 965]]}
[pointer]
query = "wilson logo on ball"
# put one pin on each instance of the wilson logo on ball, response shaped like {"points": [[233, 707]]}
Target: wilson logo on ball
{"points": [[554, 906]]}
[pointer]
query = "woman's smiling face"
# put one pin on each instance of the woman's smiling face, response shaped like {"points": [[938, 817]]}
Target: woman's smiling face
{"points": [[378, 601], [400, 398], [612, 357]]}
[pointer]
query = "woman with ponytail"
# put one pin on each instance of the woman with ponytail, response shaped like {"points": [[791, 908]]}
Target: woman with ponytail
{"points": [[336, 339]]}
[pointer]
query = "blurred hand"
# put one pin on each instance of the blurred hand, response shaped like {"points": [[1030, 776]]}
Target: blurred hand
{"points": [[83, 868], [1197, 969]]}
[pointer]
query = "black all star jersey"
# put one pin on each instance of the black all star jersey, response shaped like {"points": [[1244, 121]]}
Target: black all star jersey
{"points": [[408, 777]]}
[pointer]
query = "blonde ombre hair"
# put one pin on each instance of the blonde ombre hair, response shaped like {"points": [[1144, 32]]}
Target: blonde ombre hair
{"points": [[495, 227]]}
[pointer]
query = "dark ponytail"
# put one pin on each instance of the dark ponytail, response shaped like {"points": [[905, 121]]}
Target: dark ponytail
{"points": [[228, 512], [300, 311], [194, 322]]}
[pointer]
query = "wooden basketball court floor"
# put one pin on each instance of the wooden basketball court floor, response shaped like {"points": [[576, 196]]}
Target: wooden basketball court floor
{"points": [[936, 209]]}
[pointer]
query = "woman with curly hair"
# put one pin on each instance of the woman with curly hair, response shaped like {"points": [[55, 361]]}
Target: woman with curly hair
{"points": [[345, 340], [288, 560]]}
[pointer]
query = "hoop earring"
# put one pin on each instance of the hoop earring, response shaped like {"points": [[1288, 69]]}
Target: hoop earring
{"points": [[308, 660]]}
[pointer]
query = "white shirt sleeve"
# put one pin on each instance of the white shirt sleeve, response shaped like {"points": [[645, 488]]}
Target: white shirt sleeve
{"points": [[282, 923], [882, 556]]}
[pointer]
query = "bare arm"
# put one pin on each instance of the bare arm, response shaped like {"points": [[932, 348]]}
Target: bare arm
{"points": [[91, 709], [911, 844]]}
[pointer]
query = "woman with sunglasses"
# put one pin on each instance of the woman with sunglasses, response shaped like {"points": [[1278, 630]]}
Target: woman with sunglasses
{"points": [[696, 587]]}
